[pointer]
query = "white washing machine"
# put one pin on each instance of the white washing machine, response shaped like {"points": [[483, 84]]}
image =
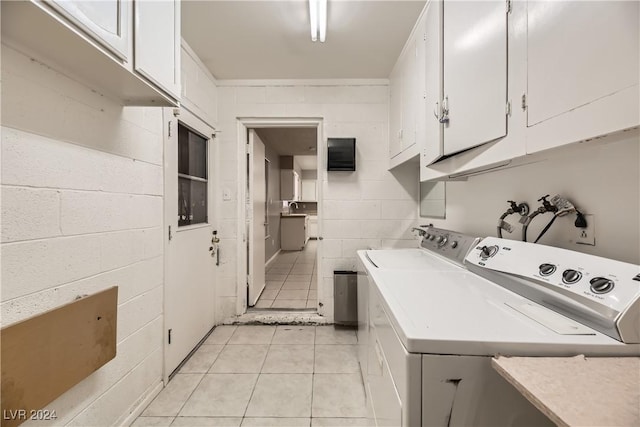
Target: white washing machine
{"points": [[432, 333], [439, 250]]}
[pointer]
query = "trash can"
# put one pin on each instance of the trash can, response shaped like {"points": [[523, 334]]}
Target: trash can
{"points": [[345, 297]]}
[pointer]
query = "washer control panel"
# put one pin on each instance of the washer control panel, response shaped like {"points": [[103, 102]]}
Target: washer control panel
{"points": [[449, 244], [608, 282], [601, 293]]}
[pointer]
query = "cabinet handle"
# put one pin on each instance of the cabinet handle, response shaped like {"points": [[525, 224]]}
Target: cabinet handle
{"points": [[445, 111]]}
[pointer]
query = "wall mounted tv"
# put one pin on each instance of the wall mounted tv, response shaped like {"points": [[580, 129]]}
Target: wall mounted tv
{"points": [[341, 154]]}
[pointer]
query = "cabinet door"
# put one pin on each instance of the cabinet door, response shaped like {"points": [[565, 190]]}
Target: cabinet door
{"points": [[286, 184], [157, 52], [308, 190], [106, 21], [432, 144], [296, 186], [475, 72], [395, 112], [410, 91], [581, 53]]}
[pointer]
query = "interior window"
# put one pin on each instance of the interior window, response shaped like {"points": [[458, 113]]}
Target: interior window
{"points": [[192, 177]]}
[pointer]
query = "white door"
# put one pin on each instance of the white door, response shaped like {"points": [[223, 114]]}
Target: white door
{"points": [[256, 210], [189, 250], [475, 73]]}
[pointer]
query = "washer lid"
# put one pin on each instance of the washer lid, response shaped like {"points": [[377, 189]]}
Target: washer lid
{"points": [[409, 259], [461, 313]]}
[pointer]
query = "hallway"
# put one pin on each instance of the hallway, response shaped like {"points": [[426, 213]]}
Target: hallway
{"points": [[292, 280]]}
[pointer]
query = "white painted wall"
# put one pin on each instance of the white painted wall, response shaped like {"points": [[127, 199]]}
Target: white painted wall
{"points": [[599, 178], [82, 211], [369, 207]]}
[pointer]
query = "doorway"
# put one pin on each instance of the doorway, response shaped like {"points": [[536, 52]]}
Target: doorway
{"points": [[191, 246], [282, 211]]}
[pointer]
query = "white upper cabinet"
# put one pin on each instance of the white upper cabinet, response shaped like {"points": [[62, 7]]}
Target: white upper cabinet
{"points": [[157, 53], [135, 59], [475, 73], [429, 126], [308, 190], [289, 185], [410, 92], [395, 112], [406, 99], [582, 70], [106, 21]]}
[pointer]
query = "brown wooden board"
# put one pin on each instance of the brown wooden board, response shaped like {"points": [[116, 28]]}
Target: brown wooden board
{"points": [[46, 355]]}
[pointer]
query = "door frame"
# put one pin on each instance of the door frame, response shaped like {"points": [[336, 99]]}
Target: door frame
{"points": [[194, 122], [243, 125]]}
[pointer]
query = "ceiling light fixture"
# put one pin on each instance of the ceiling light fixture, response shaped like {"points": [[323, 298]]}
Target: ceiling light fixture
{"points": [[318, 18]]}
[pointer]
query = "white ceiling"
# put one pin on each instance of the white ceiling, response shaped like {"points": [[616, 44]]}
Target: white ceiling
{"points": [[272, 40]]}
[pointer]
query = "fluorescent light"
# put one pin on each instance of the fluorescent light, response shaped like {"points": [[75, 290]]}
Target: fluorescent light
{"points": [[318, 19], [313, 17], [322, 20]]}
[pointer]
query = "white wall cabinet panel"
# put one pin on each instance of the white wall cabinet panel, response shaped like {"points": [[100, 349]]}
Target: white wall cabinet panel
{"points": [[107, 21], [308, 190], [395, 112], [407, 99], [475, 73], [429, 122], [157, 53], [410, 92], [582, 70]]}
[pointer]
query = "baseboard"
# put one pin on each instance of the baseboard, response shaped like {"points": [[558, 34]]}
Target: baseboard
{"points": [[151, 394], [266, 264]]}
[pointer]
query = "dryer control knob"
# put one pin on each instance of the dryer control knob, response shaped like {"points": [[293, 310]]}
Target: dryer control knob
{"points": [[454, 244], [488, 251], [547, 269], [439, 239], [601, 285], [571, 276]]}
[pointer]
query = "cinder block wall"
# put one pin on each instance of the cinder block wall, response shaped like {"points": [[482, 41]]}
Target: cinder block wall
{"points": [[82, 187]]}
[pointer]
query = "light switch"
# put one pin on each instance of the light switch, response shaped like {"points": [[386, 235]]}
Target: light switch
{"points": [[226, 194]]}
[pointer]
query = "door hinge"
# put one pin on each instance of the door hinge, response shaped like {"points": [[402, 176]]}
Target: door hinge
{"points": [[170, 234], [523, 102], [169, 129], [508, 6], [169, 336], [508, 109]]}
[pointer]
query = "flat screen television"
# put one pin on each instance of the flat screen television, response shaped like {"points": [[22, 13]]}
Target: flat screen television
{"points": [[341, 154]]}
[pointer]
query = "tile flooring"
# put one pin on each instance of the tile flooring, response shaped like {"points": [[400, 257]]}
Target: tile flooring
{"points": [[285, 375], [292, 280]]}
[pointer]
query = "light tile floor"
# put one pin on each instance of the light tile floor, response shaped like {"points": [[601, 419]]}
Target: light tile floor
{"points": [[292, 280], [284, 375]]}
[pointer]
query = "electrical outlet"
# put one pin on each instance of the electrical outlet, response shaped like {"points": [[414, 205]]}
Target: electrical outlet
{"points": [[586, 236]]}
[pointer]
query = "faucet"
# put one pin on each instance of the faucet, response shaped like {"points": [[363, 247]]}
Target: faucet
{"points": [[292, 203]]}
